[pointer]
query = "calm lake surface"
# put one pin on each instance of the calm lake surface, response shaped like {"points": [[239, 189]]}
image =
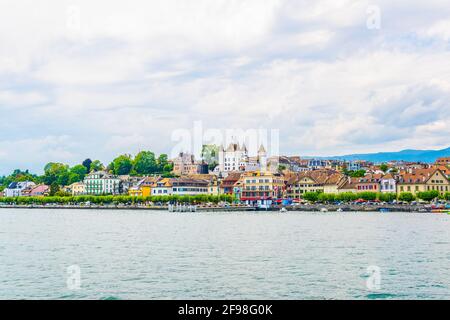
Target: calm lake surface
{"points": [[161, 255]]}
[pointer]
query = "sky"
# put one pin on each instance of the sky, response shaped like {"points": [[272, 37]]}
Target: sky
{"points": [[94, 79]]}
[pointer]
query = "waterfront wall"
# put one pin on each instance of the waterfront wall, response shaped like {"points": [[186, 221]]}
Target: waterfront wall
{"points": [[298, 208]]}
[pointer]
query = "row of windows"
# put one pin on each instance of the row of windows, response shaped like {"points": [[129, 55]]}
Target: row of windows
{"points": [[190, 189], [429, 188], [259, 181], [304, 191], [369, 187], [159, 191], [256, 194], [257, 188], [307, 185]]}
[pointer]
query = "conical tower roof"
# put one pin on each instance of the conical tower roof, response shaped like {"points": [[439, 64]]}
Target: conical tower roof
{"points": [[261, 149]]}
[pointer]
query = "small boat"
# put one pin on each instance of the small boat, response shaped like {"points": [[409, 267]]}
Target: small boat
{"points": [[283, 209], [340, 210], [384, 210], [324, 210]]}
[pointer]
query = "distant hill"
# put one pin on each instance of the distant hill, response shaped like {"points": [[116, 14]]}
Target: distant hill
{"points": [[429, 156]]}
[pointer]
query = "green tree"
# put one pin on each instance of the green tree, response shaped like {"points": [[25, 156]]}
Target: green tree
{"points": [[212, 166], [384, 167], [123, 164], [357, 174], [210, 153], [428, 195], [145, 163], [96, 165], [369, 196], [406, 196], [387, 197], [168, 168], [77, 173], [54, 188], [87, 165], [311, 196], [17, 176], [56, 172], [162, 161]]}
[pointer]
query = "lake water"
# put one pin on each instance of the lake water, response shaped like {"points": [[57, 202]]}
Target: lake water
{"points": [[161, 255]]}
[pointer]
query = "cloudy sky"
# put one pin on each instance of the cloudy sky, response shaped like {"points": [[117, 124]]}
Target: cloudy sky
{"points": [[98, 78]]}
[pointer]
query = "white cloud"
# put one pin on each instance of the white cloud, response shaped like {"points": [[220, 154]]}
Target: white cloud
{"points": [[118, 78], [439, 30]]}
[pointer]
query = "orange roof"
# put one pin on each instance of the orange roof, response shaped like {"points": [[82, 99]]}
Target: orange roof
{"points": [[417, 176]]}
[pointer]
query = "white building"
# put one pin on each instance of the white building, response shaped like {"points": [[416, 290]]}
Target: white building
{"points": [[101, 182], [236, 158], [388, 184], [15, 188]]}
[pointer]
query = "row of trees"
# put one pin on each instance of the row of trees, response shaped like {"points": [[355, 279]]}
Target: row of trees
{"points": [[197, 199], [145, 163], [55, 173], [372, 196]]}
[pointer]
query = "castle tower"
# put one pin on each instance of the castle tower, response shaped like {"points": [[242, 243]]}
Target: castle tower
{"points": [[221, 158], [262, 158]]}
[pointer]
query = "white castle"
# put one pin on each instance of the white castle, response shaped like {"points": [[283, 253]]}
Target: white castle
{"points": [[235, 158]]}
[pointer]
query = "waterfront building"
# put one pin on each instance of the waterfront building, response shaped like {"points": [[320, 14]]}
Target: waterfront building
{"points": [[309, 181], [388, 184], [127, 182], [102, 182], [332, 183], [144, 187], [162, 187], [15, 189], [189, 187], [227, 184], [369, 183], [40, 190], [348, 185], [75, 189], [260, 188], [213, 182], [421, 180]]}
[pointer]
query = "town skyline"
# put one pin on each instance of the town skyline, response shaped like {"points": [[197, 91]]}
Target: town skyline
{"points": [[418, 156]]}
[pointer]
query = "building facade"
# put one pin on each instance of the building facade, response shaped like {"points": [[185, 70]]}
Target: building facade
{"points": [[422, 180], [260, 188], [189, 187], [15, 189], [388, 184], [185, 164], [235, 158], [76, 189], [40, 190], [102, 183]]}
